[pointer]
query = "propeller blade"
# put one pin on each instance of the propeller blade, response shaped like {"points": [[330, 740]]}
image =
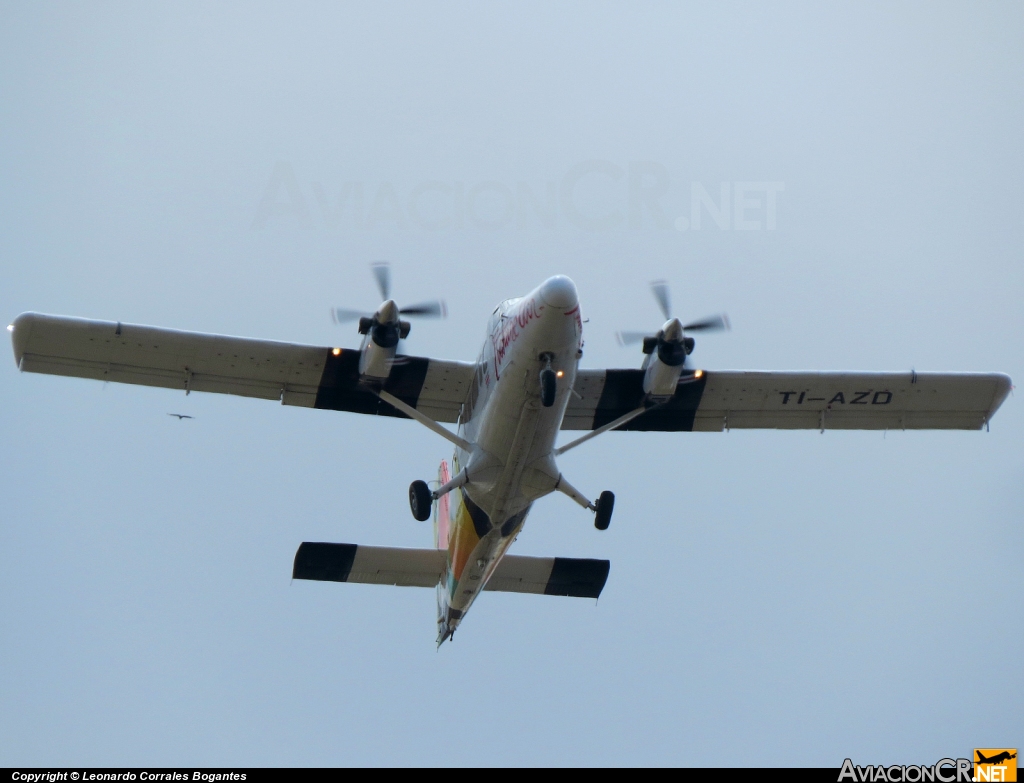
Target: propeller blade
{"points": [[341, 315], [436, 309], [629, 338], [660, 290], [714, 323], [382, 271]]}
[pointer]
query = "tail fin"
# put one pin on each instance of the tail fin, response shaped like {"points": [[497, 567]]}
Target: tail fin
{"points": [[441, 510], [442, 522]]}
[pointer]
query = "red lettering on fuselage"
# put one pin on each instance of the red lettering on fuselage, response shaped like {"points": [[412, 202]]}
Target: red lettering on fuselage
{"points": [[579, 325], [510, 329]]}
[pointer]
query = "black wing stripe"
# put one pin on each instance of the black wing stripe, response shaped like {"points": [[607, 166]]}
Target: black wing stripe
{"points": [[340, 389], [577, 578], [324, 562], [623, 391]]}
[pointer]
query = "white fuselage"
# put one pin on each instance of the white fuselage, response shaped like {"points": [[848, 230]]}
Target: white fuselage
{"points": [[512, 462]]}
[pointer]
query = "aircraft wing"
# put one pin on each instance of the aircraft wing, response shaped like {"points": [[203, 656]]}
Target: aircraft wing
{"points": [[381, 565], [719, 400], [308, 376]]}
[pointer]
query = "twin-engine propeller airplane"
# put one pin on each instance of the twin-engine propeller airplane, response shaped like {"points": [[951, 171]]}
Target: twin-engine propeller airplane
{"points": [[508, 407]]}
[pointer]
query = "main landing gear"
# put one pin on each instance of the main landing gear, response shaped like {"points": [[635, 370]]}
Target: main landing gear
{"points": [[603, 515], [421, 501], [602, 509]]}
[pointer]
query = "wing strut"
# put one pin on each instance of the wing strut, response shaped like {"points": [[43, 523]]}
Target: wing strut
{"points": [[624, 419], [426, 421]]}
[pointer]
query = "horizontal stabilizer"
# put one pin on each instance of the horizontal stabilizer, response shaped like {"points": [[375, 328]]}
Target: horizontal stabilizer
{"points": [[380, 565], [550, 576], [374, 565]]}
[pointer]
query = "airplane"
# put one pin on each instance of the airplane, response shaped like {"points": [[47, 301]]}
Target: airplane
{"points": [[999, 758], [508, 408]]}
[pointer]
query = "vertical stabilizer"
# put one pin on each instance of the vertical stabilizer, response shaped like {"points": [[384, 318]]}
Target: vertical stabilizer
{"points": [[442, 518]]}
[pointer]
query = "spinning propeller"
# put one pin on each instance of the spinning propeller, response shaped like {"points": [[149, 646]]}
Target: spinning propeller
{"points": [[382, 273], [671, 333]]}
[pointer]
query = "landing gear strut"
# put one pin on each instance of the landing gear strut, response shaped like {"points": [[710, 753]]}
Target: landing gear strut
{"points": [[420, 500], [605, 504], [602, 509]]}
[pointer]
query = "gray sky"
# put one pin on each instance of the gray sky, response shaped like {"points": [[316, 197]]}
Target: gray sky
{"points": [[774, 597]]}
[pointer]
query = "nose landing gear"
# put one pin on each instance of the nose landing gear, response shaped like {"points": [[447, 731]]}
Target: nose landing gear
{"points": [[548, 382]]}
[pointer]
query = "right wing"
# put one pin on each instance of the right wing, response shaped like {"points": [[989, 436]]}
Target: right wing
{"points": [[719, 400], [301, 375], [381, 565]]}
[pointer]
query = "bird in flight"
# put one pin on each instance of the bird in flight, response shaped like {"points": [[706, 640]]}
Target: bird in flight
{"points": [[180, 416]]}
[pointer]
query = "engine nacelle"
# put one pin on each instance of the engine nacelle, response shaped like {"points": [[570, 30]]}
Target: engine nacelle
{"points": [[660, 379], [666, 355], [380, 343], [375, 360]]}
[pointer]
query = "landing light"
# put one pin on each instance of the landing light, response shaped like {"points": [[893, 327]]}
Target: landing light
{"points": [[559, 373], [10, 327], [336, 351], [698, 373]]}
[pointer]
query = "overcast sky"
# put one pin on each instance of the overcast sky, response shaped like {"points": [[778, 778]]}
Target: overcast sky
{"points": [[847, 183]]}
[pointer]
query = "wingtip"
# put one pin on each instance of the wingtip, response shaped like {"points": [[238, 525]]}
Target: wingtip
{"points": [[20, 330], [1004, 385]]}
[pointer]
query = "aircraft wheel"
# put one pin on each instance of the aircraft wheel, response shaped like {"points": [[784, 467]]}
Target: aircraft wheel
{"points": [[605, 504], [420, 501], [547, 387]]}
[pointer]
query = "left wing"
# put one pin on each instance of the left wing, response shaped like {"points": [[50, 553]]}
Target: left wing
{"points": [[301, 375], [718, 400]]}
